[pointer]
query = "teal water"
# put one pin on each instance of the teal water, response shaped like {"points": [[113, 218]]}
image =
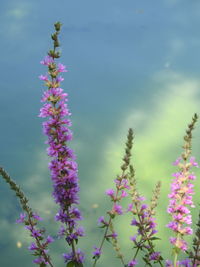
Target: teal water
{"points": [[131, 64]]}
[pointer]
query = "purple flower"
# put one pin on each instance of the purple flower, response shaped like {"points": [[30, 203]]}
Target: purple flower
{"points": [[133, 238], [154, 256], [49, 239], [132, 263], [37, 217], [40, 260], [80, 256], [43, 77], [80, 231], [176, 162], [96, 252], [59, 79], [124, 194], [117, 209], [193, 162], [35, 233], [32, 246], [169, 263], [110, 192], [145, 223], [134, 222], [186, 263], [70, 256], [47, 60], [179, 243], [22, 218], [101, 219], [61, 68]]}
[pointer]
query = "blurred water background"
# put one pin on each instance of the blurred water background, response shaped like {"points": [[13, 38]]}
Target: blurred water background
{"points": [[131, 64]]}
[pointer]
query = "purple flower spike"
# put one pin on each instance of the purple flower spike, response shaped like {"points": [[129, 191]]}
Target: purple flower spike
{"points": [[63, 168], [180, 196]]}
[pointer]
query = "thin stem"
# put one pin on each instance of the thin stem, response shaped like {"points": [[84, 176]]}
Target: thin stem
{"points": [[175, 258], [138, 248], [109, 222]]}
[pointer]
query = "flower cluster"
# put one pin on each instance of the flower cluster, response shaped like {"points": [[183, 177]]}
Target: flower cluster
{"points": [[146, 229], [144, 221], [183, 263], [40, 246], [181, 194], [180, 200], [63, 167], [117, 195]]}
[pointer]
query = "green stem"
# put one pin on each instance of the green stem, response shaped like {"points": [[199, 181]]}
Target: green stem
{"points": [[108, 225], [175, 258]]}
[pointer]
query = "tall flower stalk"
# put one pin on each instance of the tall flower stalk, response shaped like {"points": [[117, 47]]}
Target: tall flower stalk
{"points": [[181, 195], [144, 221], [63, 167], [39, 248], [121, 184]]}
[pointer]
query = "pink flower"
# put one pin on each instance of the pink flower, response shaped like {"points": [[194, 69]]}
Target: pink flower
{"points": [[47, 60], [117, 209], [180, 196], [97, 252], [132, 263], [62, 68], [22, 218], [176, 162], [124, 194], [43, 78], [193, 162], [37, 217], [110, 192]]}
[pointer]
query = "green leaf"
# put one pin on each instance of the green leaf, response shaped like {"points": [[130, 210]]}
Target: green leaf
{"points": [[70, 264], [103, 226]]}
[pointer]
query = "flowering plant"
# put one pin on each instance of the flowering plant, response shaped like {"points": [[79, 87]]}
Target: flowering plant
{"points": [[64, 174]]}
